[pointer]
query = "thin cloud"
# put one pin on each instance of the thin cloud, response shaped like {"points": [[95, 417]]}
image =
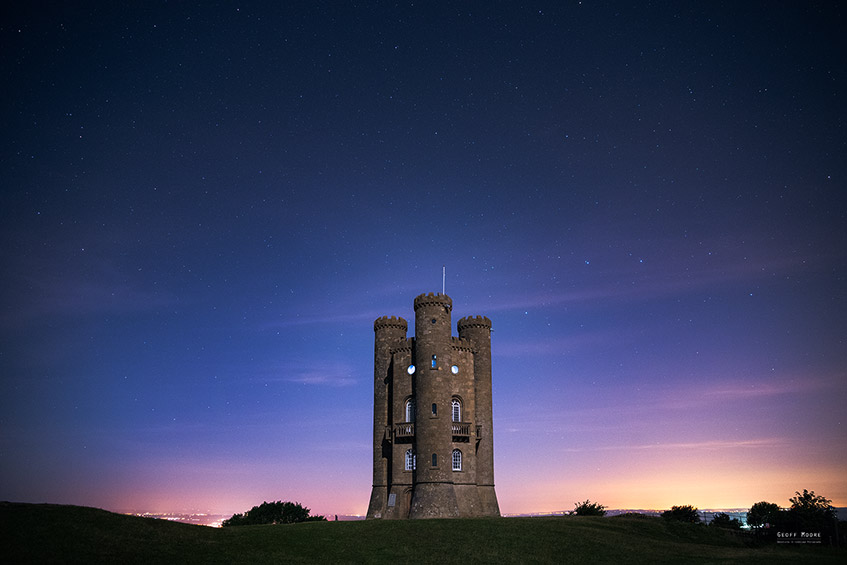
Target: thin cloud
{"points": [[334, 375], [675, 278], [320, 378], [35, 293], [718, 393], [298, 320], [710, 445]]}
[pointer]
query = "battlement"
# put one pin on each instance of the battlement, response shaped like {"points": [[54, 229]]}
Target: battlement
{"points": [[473, 322], [404, 345], [461, 344], [390, 322], [434, 298]]}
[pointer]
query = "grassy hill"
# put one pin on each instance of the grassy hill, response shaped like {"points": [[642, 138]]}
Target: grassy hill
{"points": [[47, 533]]}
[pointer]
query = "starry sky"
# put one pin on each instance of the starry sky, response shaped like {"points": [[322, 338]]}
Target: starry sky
{"points": [[205, 206]]}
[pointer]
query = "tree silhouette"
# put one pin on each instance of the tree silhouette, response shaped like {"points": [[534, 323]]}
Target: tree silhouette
{"points": [[723, 520], [809, 515], [272, 513], [763, 514], [810, 512], [686, 513], [811, 503], [589, 508]]}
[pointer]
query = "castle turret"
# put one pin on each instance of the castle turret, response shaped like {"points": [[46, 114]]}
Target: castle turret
{"points": [[389, 331], [433, 495], [477, 330]]}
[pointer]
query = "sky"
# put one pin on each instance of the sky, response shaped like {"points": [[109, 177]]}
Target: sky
{"points": [[205, 206]]}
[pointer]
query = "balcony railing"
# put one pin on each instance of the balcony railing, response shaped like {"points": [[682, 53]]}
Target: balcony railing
{"points": [[406, 429], [458, 429], [462, 430]]}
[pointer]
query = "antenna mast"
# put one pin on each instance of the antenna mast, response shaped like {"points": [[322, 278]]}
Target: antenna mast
{"points": [[443, 278]]}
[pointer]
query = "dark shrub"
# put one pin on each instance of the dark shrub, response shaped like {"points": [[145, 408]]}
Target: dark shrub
{"points": [[686, 513]]}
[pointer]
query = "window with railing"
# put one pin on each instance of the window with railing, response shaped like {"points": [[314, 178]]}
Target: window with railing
{"points": [[410, 460]]}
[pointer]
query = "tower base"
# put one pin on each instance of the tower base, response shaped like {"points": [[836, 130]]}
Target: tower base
{"points": [[376, 507], [488, 500], [467, 496], [434, 500]]}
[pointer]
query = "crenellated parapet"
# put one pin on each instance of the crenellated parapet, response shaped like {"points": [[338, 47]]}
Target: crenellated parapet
{"points": [[390, 322], [473, 322], [462, 344], [434, 299], [404, 345]]}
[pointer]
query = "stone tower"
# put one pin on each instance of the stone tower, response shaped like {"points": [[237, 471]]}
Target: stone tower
{"points": [[433, 442]]}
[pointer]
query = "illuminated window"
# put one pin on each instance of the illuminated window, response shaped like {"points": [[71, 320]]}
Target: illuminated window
{"points": [[456, 407], [410, 410], [433, 361], [410, 460], [457, 460]]}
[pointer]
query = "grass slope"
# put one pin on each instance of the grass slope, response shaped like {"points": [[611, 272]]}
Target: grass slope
{"points": [[46, 533]]}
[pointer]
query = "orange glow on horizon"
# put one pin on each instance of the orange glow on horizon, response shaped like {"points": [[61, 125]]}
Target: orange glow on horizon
{"points": [[663, 490]]}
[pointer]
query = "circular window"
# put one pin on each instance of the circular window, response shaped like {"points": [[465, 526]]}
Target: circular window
{"points": [[455, 369], [411, 370], [433, 320]]}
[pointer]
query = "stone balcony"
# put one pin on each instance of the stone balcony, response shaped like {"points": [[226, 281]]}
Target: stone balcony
{"points": [[461, 431], [404, 430]]}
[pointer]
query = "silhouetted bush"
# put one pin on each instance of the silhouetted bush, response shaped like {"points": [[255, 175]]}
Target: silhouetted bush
{"points": [[723, 520], [686, 513], [273, 513], [589, 508]]}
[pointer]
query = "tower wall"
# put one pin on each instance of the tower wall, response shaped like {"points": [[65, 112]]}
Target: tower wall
{"points": [[400, 479], [477, 330], [465, 481], [433, 495], [388, 332]]}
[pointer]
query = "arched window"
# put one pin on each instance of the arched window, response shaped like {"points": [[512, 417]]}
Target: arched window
{"points": [[410, 460], [435, 460], [456, 407], [410, 410], [457, 460]]}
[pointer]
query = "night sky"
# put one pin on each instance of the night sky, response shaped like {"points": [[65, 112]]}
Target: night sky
{"points": [[206, 205]]}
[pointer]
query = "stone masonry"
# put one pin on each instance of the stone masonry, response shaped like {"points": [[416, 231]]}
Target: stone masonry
{"points": [[433, 447]]}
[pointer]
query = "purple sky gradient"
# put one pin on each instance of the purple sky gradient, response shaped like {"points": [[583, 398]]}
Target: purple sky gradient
{"points": [[205, 208]]}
